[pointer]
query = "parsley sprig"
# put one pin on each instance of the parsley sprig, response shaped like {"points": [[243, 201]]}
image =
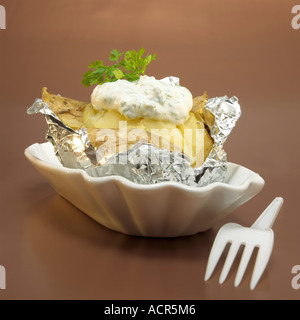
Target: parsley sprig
{"points": [[128, 65]]}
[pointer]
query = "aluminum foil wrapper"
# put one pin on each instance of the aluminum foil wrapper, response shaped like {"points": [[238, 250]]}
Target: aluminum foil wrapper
{"points": [[144, 163]]}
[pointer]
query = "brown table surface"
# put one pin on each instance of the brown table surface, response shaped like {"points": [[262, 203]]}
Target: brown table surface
{"points": [[246, 48]]}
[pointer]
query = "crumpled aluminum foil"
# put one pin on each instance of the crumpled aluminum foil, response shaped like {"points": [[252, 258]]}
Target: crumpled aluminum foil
{"points": [[146, 164]]}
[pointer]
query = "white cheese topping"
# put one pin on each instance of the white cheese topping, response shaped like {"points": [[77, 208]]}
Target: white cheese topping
{"points": [[147, 98]]}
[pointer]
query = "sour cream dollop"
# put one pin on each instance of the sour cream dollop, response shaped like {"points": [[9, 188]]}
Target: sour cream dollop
{"points": [[146, 98]]}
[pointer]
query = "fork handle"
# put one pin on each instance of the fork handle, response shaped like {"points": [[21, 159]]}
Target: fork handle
{"points": [[268, 217]]}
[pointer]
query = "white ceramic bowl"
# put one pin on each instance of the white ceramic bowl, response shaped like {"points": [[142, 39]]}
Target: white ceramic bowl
{"points": [[162, 210]]}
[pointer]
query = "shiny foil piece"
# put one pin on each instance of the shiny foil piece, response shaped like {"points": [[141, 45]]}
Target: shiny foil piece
{"points": [[144, 163]]}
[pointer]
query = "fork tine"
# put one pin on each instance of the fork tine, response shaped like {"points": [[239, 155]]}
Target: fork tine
{"points": [[263, 257], [248, 250], [229, 261], [215, 254]]}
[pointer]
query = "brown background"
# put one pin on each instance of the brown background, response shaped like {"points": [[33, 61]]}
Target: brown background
{"points": [[245, 48]]}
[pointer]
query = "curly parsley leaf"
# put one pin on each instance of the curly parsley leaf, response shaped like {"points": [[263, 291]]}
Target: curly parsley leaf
{"points": [[131, 66]]}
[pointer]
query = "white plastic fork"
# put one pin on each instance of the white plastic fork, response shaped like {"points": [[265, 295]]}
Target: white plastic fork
{"points": [[260, 235]]}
